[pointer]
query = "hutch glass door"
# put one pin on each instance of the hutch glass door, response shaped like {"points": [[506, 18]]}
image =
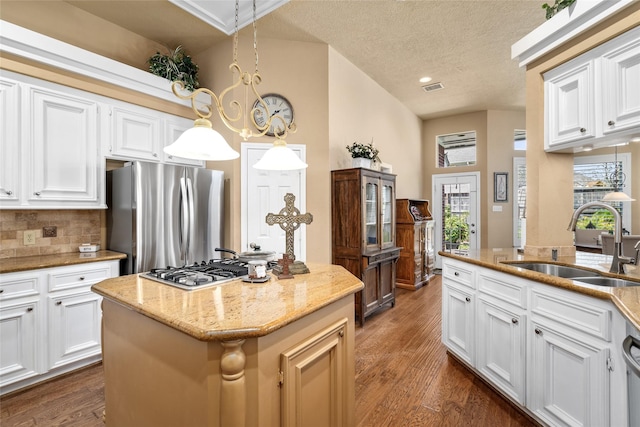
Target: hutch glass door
{"points": [[371, 214]]}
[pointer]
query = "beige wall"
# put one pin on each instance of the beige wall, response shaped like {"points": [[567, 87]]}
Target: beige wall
{"points": [[548, 211], [360, 110]]}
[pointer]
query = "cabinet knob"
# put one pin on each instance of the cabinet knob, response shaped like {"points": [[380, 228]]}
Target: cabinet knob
{"points": [[583, 130], [341, 333], [9, 192], [37, 193], [538, 331], [456, 273], [472, 231], [611, 123], [1, 291], [81, 277], [58, 302], [468, 299], [29, 309], [171, 157], [155, 154], [514, 321]]}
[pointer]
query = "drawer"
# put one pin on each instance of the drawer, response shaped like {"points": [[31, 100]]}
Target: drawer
{"points": [[458, 272], [17, 285], [574, 313], [77, 276], [504, 287]]}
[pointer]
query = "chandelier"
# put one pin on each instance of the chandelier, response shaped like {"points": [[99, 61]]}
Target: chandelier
{"points": [[202, 142], [617, 195]]}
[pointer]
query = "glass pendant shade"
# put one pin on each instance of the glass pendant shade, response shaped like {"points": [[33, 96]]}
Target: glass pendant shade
{"points": [[201, 142], [617, 196], [280, 158]]}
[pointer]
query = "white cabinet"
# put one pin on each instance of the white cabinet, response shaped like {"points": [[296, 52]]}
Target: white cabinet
{"points": [[139, 133], [458, 311], [19, 338], [501, 346], [50, 146], [621, 85], [135, 132], [60, 150], [570, 105], [594, 99], [550, 350], [10, 169], [568, 380], [50, 322]]}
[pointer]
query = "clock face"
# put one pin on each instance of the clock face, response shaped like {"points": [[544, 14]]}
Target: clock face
{"points": [[279, 110]]}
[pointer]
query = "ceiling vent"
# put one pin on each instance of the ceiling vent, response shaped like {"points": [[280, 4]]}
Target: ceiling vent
{"points": [[432, 87]]}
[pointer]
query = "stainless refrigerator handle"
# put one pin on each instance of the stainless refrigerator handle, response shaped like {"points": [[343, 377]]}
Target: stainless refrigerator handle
{"points": [[629, 342], [184, 219], [192, 217]]}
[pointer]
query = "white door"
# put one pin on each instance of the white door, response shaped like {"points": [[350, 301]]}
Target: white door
{"points": [[263, 193], [456, 201]]}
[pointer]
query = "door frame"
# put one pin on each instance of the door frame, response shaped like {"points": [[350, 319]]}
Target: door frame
{"points": [[437, 210], [301, 200]]}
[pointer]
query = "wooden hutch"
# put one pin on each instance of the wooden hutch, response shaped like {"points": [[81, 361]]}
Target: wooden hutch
{"points": [[363, 225], [414, 234]]}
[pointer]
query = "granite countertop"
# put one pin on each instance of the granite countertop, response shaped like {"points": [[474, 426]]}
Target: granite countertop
{"points": [[236, 309], [12, 265], [626, 299]]}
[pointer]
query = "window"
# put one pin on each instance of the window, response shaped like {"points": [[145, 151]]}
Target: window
{"points": [[593, 177], [519, 140], [457, 149]]}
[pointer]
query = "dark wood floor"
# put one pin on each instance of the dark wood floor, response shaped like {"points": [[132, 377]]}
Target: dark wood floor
{"points": [[404, 377]]}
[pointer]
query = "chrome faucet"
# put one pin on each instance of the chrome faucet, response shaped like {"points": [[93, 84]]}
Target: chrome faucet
{"points": [[619, 260]]}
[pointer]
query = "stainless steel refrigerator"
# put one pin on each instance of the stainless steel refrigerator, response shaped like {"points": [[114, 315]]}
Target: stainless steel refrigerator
{"points": [[164, 215]]}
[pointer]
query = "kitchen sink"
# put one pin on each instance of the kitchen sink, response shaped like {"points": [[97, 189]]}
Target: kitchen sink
{"points": [[556, 270], [611, 282], [574, 273]]}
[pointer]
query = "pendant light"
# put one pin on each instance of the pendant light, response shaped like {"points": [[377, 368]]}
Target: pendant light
{"points": [[618, 182], [280, 157], [202, 142]]}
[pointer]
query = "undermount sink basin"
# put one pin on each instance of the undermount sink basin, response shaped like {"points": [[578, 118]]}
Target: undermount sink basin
{"points": [[574, 273], [611, 282], [556, 270]]}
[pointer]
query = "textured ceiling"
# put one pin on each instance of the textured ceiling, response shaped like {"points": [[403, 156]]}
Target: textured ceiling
{"points": [[465, 45]]}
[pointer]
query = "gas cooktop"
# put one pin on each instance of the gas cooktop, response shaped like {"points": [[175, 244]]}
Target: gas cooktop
{"points": [[200, 275]]}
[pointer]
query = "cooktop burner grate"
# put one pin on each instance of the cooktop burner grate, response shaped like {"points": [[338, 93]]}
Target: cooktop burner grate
{"points": [[201, 275]]}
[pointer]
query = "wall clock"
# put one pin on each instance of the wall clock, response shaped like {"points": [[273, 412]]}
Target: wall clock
{"points": [[279, 108]]}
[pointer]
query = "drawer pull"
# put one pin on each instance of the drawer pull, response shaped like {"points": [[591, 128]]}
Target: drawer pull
{"points": [[30, 309], [468, 299], [538, 331], [58, 302], [81, 277], [514, 321]]}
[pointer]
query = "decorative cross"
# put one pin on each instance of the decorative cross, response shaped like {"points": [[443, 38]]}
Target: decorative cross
{"points": [[289, 220]]}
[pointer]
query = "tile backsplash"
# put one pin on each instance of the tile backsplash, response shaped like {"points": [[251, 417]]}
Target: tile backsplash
{"points": [[73, 227]]}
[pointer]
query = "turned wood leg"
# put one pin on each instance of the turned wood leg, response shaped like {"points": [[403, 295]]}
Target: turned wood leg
{"points": [[232, 389]]}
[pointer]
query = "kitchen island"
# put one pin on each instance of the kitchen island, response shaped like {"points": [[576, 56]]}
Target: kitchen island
{"points": [[551, 345], [235, 354]]}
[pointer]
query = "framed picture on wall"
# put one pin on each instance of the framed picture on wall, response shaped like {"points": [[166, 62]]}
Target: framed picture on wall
{"points": [[500, 184]]}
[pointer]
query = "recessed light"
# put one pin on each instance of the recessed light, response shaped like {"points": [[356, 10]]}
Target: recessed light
{"points": [[425, 79]]}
